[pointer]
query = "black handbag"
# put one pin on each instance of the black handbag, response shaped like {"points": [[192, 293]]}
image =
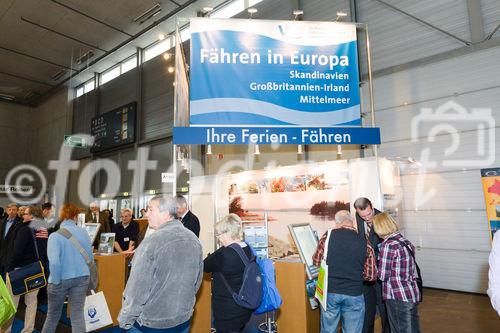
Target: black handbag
{"points": [[29, 277]]}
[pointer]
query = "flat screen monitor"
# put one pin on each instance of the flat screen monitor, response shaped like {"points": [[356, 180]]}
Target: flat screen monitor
{"points": [[92, 229], [306, 242]]}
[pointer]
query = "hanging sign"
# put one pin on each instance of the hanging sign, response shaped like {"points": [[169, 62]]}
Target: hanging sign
{"points": [[258, 72]]}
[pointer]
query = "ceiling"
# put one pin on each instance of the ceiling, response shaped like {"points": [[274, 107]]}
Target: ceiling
{"points": [[43, 38]]}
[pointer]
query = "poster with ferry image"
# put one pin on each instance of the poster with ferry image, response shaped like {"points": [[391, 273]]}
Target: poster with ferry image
{"points": [[273, 73], [491, 187], [310, 193]]}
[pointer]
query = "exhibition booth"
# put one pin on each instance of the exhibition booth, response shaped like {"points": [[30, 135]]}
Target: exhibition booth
{"points": [[278, 83], [271, 202]]}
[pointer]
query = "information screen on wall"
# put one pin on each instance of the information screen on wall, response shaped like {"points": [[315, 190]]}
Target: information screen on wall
{"points": [[114, 128], [269, 73]]}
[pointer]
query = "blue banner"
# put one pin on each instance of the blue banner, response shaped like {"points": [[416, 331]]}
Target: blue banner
{"points": [[257, 72], [273, 135]]}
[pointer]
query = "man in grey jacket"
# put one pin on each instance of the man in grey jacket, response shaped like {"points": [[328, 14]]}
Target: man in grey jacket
{"points": [[167, 271]]}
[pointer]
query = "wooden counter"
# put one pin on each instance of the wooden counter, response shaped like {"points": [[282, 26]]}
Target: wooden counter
{"points": [[111, 271], [295, 314], [201, 322]]}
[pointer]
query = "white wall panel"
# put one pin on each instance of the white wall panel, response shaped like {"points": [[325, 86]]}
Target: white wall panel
{"points": [[491, 15], [396, 38], [325, 10], [439, 229], [455, 270], [403, 115], [446, 78], [453, 191], [467, 151]]}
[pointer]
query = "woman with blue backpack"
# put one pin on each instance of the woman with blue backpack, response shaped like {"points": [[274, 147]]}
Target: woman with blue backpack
{"points": [[232, 303]]}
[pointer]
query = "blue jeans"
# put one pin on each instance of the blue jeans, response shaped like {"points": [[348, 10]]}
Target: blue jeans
{"points": [[349, 309], [182, 328], [76, 290], [403, 316]]}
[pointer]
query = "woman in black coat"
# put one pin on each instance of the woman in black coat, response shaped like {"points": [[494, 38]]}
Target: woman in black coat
{"points": [[229, 317]]}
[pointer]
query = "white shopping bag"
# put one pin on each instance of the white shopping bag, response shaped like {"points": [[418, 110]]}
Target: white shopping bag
{"points": [[96, 312], [321, 293]]}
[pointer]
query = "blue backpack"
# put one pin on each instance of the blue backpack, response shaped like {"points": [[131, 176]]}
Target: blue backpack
{"points": [[271, 299], [250, 294]]}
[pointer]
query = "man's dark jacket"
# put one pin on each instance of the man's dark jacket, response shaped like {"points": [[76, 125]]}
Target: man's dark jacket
{"points": [[191, 222], [7, 242]]}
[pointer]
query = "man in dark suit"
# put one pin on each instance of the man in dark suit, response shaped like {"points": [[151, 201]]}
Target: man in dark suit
{"points": [[8, 231], [95, 216], [187, 218], [371, 290]]}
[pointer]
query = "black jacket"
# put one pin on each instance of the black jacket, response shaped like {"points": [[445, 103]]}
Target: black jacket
{"points": [[191, 222], [7, 242], [24, 252], [373, 237]]}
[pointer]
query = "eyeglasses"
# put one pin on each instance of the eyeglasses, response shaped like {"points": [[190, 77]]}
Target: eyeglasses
{"points": [[220, 234]]}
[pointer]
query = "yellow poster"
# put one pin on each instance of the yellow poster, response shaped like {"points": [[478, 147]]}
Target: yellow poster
{"points": [[491, 187]]}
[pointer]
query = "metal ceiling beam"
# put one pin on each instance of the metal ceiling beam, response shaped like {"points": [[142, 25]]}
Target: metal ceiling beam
{"points": [[396, 9], [61, 34], [461, 51], [475, 20], [27, 79], [137, 35], [91, 17], [36, 58], [175, 3]]}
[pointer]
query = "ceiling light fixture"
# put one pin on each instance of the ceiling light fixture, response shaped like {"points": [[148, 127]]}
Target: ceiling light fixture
{"points": [[209, 150], [161, 36], [166, 56], [340, 16], [56, 76], [339, 150], [207, 9], [170, 69], [299, 150], [251, 11], [153, 11], [297, 13], [84, 57], [257, 150]]}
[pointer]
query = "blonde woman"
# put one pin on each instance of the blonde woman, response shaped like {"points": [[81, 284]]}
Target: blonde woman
{"points": [[397, 271], [229, 316]]}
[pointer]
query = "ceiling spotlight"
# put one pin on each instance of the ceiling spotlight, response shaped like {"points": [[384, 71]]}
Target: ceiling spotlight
{"points": [[251, 11], [161, 36], [170, 69], [209, 150], [340, 16], [207, 9], [57, 75], [257, 150], [297, 13], [166, 56]]}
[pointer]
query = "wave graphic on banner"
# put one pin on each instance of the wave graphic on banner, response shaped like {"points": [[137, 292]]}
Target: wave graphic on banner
{"points": [[212, 111]]}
